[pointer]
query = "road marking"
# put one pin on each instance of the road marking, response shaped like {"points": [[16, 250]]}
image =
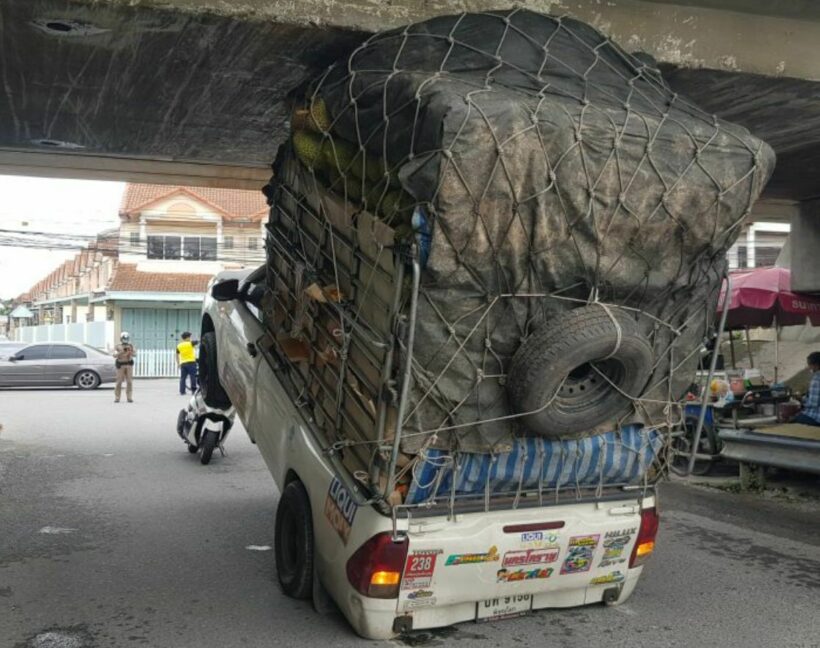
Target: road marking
{"points": [[50, 530], [258, 548]]}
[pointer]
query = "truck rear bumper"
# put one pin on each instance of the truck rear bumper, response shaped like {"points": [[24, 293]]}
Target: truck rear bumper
{"points": [[376, 619]]}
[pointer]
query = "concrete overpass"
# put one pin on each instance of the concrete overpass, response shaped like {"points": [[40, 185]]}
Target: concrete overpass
{"points": [[194, 91]]}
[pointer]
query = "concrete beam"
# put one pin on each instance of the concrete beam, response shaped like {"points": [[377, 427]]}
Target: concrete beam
{"points": [[756, 36], [132, 169], [804, 243]]}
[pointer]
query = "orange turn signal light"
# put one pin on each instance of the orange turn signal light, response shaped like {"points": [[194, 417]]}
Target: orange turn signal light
{"points": [[645, 548], [385, 578]]}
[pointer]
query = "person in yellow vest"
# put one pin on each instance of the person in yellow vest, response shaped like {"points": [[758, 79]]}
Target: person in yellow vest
{"points": [[124, 354], [186, 359]]}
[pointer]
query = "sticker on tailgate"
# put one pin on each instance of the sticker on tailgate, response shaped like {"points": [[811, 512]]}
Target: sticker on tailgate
{"points": [[418, 571], [474, 558], [513, 576], [615, 543], [579, 554], [529, 557]]}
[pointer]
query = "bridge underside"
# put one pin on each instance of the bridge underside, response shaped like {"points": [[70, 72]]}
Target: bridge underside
{"points": [[198, 94]]}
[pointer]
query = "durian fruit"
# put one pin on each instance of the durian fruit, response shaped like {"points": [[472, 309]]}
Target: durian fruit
{"points": [[312, 116], [342, 156], [309, 148]]}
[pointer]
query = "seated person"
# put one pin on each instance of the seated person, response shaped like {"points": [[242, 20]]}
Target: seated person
{"points": [[810, 414]]}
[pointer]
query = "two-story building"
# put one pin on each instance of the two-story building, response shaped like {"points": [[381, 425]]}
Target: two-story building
{"points": [[149, 276]]}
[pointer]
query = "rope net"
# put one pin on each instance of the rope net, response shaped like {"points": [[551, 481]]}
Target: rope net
{"points": [[452, 193]]}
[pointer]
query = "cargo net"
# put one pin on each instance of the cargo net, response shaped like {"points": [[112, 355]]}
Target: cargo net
{"points": [[495, 249]]}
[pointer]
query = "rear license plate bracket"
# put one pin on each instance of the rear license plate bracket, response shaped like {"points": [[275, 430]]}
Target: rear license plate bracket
{"points": [[503, 607]]}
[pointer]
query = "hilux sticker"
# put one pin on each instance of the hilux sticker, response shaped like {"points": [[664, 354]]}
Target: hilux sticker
{"points": [[340, 509], [579, 554], [418, 571], [612, 577], [474, 558], [529, 557], [615, 543]]}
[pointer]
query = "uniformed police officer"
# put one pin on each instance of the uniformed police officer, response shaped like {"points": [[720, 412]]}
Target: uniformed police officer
{"points": [[124, 354]]}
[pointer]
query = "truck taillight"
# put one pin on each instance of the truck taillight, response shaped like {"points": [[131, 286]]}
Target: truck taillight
{"points": [[645, 544], [376, 567]]}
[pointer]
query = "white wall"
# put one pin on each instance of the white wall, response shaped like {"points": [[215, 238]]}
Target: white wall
{"points": [[96, 334]]}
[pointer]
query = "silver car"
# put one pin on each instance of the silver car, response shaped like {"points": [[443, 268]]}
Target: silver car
{"points": [[57, 363], [9, 348]]}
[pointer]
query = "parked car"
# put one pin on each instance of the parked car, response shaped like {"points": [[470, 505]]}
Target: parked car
{"points": [[55, 364], [393, 573], [10, 348]]}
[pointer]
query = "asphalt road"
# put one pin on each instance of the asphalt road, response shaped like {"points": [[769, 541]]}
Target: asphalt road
{"points": [[111, 534]]}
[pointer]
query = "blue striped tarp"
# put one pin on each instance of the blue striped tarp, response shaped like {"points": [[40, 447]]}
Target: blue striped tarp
{"points": [[621, 457]]}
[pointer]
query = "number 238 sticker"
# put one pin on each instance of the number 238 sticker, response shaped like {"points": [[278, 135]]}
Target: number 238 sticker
{"points": [[418, 572]]}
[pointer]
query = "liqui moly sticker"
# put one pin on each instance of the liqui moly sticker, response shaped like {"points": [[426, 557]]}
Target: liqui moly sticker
{"points": [[340, 509]]}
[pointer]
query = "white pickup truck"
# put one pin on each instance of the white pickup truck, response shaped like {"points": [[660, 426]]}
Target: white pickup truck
{"points": [[406, 569]]}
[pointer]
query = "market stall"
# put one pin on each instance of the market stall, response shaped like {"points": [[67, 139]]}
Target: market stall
{"points": [[743, 416]]}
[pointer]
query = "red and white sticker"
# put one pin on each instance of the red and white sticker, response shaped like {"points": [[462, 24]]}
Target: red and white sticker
{"points": [[418, 572]]}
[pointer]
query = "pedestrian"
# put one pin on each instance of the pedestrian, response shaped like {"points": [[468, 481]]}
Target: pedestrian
{"points": [[186, 359], [810, 414], [124, 354]]}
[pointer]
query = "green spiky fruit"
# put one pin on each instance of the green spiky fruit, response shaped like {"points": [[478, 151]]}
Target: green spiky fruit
{"points": [[354, 188], [309, 148], [341, 155], [313, 116]]}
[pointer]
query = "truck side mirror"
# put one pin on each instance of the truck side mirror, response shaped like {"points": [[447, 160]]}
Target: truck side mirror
{"points": [[227, 290]]}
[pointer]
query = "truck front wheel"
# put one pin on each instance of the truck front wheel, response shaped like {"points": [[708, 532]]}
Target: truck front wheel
{"points": [[212, 390], [293, 542]]}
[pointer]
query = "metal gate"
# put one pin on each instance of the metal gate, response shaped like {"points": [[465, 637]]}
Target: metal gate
{"points": [[156, 332]]}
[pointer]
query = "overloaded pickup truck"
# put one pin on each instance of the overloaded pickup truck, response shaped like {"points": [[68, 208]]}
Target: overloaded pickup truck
{"points": [[495, 247], [390, 573]]}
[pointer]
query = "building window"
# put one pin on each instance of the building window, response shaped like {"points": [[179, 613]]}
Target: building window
{"points": [[164, 247], [765, 255], [135, 241], [227, 242], [252, 242], [189, 248], [207, 248]]}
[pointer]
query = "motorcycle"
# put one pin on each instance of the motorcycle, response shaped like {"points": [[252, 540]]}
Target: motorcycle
{"points": [[204, 428]]}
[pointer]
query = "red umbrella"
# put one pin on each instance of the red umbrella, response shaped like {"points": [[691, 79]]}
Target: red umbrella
{"points": [[763, 296]]}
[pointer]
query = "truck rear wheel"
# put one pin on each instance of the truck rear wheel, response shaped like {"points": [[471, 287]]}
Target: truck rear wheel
{"points": [[579, 370], [293, 542]]}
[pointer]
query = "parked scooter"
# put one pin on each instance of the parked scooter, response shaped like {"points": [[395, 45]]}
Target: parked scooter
{"points": [[204, 428]]}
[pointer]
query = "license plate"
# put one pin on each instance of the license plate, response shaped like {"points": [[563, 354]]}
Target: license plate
{"points": [[504, 607]]}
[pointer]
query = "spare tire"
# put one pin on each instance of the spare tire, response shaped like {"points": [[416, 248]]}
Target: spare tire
{"points": [[594, 365]]}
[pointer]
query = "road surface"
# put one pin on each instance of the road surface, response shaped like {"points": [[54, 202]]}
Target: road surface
{"points": [[111, 534]]}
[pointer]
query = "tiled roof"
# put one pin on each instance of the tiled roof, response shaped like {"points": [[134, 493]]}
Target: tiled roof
{"points": [[127, 278], [235, 204]]}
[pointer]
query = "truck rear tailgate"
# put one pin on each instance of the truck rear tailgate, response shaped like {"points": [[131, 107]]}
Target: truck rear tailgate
{"points": [[507, 562]]}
